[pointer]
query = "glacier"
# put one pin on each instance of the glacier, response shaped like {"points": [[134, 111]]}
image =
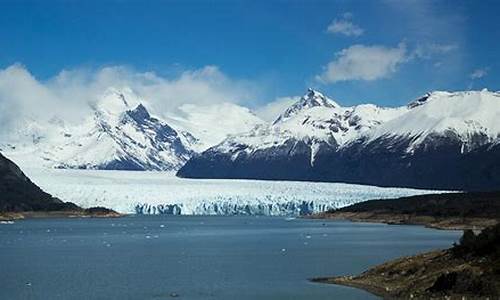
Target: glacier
{"points": [[151, 192]]}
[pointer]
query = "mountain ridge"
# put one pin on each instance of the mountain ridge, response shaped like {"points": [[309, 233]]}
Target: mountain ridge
{"points": [[442, 140]]}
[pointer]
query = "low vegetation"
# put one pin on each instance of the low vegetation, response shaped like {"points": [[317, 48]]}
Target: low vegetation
{"points": [[447, 211], [468, 270]]}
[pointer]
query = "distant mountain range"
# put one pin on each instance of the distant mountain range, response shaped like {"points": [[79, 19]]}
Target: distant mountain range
{"points": [[441, 140], [121, 134]]}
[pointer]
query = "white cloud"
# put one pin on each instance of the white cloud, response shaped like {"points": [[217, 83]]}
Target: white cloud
{"points": [[360, 62], [431, 50], [479, 73], [69, 93], [271, 110], [344, 26]]}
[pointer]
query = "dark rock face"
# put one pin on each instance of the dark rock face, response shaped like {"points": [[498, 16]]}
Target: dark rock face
{"points": [[158, 138], [18, 193], [165, 138], [439, 162], [290, 161]]}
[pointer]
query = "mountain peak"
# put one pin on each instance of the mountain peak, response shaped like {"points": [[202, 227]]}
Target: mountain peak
{"points": [[311, 99], [139, 114], [117, 100]]}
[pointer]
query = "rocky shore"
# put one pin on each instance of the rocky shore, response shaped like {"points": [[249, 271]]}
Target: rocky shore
{"points": [[446, 223], [93, 212], [468, 270]]}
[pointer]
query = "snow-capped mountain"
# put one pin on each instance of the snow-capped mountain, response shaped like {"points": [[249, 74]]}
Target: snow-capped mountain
{"points": [[441, 140], [472, 117], [211, 124], [311, 99], [124, 135], [314, 123], [120, 134]]}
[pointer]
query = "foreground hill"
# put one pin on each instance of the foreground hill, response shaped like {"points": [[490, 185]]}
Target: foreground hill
{"points": [[469, 270], [447, 211], [440, 141], [20, 197]]}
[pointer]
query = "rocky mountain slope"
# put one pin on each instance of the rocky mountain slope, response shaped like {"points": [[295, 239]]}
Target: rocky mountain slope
{"points": [[441, 140], [20, 198], [122, 135], [18, 193]]}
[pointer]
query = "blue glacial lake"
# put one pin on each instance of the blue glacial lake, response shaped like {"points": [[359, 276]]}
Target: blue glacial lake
{"points": [[196, 257]]}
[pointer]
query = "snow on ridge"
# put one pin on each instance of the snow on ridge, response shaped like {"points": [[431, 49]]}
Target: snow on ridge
{"points": [[465, 113], [314, 119], [211, 124], [120, 133], [311, 99]]}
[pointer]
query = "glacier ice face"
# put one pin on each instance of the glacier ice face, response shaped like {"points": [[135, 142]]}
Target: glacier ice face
{"points": [[146, 192], [247, 208]]}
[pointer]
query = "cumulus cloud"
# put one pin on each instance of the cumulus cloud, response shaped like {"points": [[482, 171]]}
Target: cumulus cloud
{"points": [[345, 26], [271, 110], [360, 62], [70, 94], [478, 73]]}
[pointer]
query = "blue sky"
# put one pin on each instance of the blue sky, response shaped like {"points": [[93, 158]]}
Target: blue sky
{"points": [[385, 52]]}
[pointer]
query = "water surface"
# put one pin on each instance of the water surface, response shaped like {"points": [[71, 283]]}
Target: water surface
{"points": [[195, 257]]}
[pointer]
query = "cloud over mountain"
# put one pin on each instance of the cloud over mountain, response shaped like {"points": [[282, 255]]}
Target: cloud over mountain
{"points": [[360, 62], [69, 93]]}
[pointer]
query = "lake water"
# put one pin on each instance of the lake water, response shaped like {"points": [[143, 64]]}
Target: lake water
{"points": [[196, 257]]}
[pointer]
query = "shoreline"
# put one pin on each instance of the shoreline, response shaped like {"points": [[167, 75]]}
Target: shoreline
{"points": [[87, 213], [347, 281], [438, 274], [469, 269], [379, 280], [439, 223]]}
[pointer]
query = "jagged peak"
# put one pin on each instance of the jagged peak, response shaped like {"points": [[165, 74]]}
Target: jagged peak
{"points": [[312, 98], [139, 113], [316, 98], [117, 100]]}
